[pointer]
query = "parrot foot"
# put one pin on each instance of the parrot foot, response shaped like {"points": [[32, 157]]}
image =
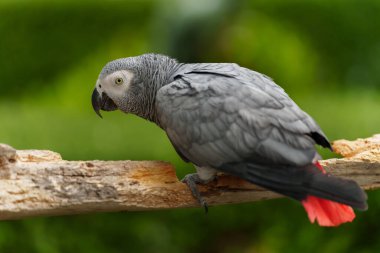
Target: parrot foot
{"points": [[192, 180]]}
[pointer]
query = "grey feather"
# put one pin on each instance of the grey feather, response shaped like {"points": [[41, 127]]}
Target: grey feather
{"points": [[221, 113]]}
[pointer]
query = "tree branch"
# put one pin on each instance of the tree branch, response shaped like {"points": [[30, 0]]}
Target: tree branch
{"points": [[37, 182]]}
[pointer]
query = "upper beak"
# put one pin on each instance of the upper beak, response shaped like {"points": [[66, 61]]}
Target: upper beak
{"points": [[96, 100], [102, 102]]}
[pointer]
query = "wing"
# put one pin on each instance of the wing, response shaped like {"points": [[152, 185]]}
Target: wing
{"points": [[220, 113]]}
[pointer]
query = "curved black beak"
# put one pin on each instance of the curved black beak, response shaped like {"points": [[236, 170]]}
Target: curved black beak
{"points": [[96, 100], [102, 102]]}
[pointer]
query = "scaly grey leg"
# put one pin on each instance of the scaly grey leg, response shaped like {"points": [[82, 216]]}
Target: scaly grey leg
{"points": [[204, 175], [192, 180]]}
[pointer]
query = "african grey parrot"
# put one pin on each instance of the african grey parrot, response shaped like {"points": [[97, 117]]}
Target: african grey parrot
{"points": [[223, 117]]}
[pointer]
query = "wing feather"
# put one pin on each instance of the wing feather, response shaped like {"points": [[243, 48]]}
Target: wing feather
{"points": [[222, 113]]}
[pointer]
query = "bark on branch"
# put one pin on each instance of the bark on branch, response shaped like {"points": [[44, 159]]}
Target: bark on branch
{"points": [[38, 182]]}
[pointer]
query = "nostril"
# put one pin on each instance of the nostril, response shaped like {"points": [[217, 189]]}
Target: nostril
{"points": [[100, 86]]}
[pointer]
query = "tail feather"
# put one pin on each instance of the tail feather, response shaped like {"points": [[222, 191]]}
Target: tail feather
{"points": [[326, 198], [326, 212]]}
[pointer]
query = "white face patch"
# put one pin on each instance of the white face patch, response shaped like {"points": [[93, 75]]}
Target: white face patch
{"points": [[115, 84]]}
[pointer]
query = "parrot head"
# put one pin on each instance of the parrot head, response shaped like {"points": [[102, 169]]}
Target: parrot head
{"points": [[112, 87], [129, 84]]}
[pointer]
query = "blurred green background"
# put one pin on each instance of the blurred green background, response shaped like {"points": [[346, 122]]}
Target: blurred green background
{"points": [[326, 54]]}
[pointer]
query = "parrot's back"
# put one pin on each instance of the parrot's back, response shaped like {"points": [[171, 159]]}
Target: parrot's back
{"points": [[221, 113]]}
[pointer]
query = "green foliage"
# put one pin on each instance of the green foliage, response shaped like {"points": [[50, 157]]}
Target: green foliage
{"points": [[44, 40], [328, 26], [324, 53]]}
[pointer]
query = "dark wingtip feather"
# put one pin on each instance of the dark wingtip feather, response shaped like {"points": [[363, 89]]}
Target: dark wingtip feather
{"points": [[320, 140]]}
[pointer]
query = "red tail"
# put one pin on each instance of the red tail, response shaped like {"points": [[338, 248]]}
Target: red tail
{"points": [[326, 212]]}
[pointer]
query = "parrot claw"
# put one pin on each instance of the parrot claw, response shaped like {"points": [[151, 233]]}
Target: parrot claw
{"points": [[192, 180]]}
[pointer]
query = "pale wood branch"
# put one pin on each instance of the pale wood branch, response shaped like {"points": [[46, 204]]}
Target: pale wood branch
{"points": [[38, 182]]}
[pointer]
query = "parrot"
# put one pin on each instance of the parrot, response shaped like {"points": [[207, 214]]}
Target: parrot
{"points": [[224, 118]]}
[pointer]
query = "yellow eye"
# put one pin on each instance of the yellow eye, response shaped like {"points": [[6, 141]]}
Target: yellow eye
{"points": [[119, 80]]}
